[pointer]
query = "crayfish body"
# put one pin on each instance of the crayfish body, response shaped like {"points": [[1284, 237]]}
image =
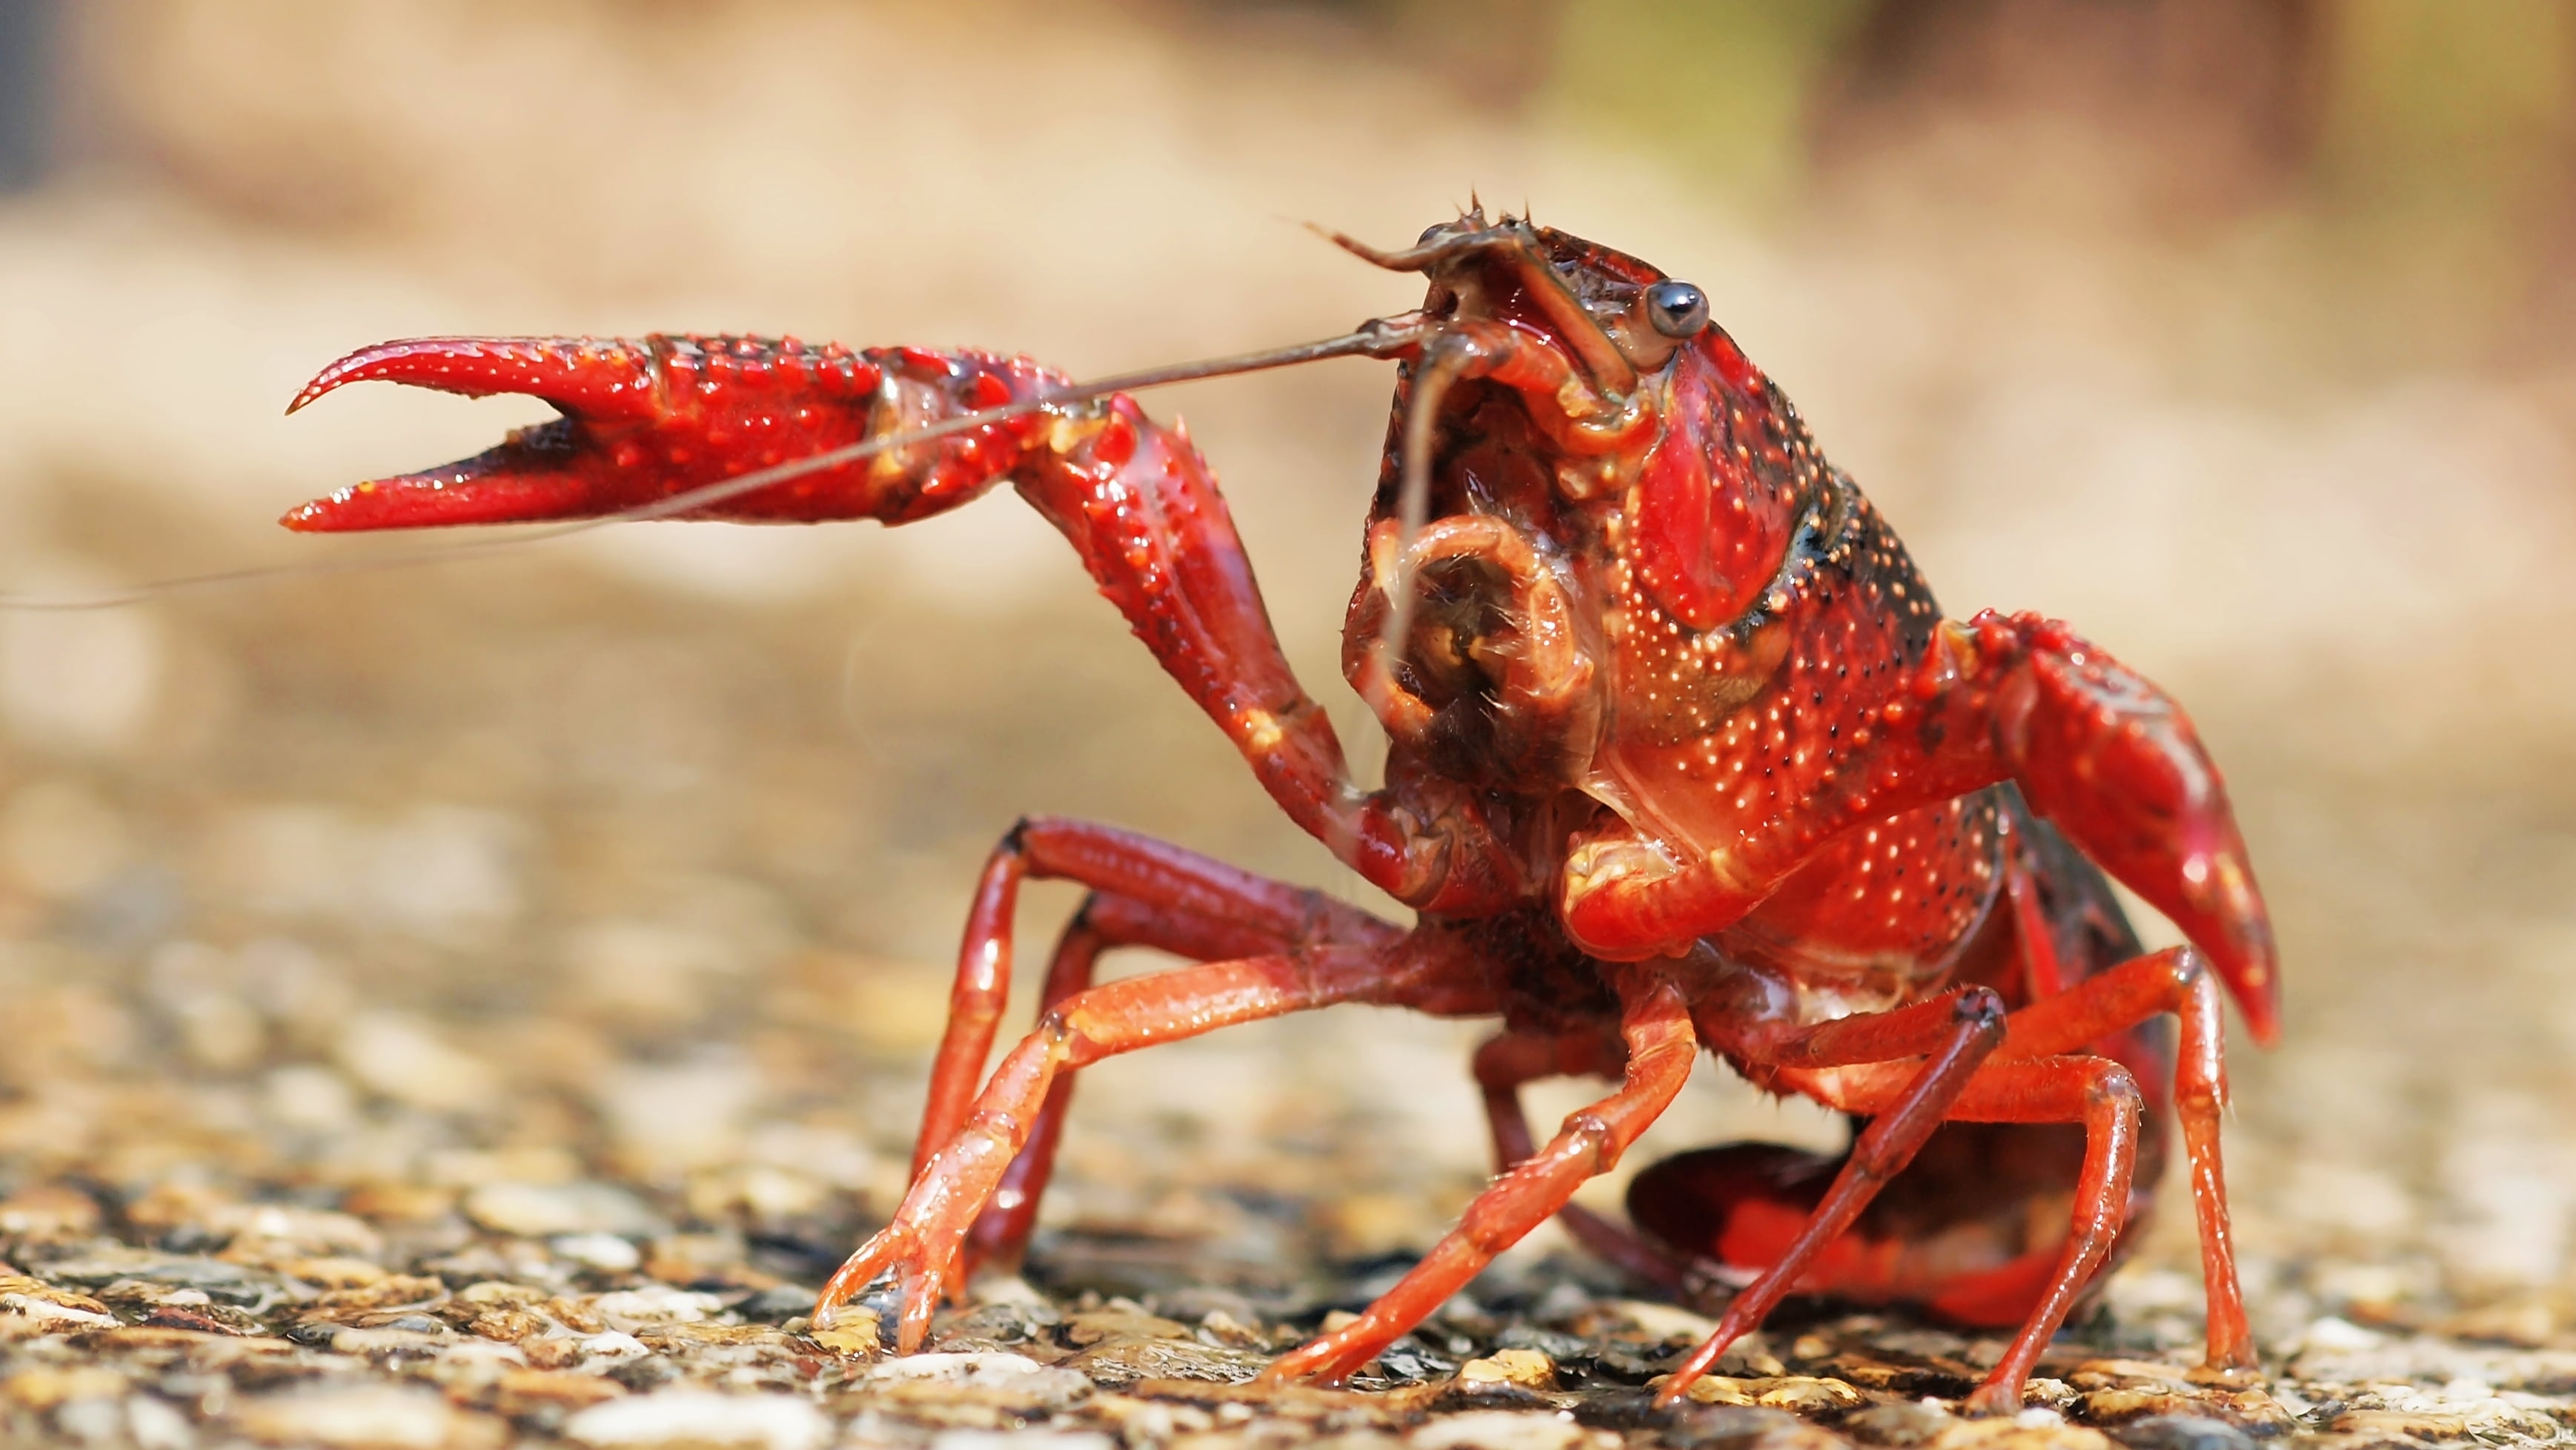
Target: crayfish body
{"points": [[1682, 755]]}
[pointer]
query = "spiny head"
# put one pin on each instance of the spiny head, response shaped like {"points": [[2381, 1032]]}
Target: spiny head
{"points": [[1585, 398]]}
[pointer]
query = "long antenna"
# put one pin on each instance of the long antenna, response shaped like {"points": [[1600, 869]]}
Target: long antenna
{"points": [[1378, 337]]}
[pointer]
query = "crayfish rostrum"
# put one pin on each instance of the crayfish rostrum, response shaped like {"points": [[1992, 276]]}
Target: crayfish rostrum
{"points": [[1682, 755]]}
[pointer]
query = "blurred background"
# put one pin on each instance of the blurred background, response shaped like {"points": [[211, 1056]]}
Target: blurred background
{"points": [[2235, 331]]}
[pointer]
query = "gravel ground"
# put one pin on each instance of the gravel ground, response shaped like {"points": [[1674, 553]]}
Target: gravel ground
{"points": [[475, 1004]]}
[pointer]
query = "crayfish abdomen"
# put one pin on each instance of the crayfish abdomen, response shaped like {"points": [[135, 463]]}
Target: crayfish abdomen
{"points": [[1682, 757]]}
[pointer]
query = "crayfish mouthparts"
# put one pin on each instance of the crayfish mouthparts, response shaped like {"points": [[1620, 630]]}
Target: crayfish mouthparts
{"points": [[1682, 756]]}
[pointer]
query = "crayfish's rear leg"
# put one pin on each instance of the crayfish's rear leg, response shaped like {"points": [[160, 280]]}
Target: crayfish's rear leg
{"points": [[2030, 1079], [1953, 1235], [1660, 1047]]}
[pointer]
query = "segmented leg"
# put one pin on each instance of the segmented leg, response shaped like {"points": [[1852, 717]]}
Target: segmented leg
{"points": [[1105, 920], [1502, 1065], [1163, 896], [2027, 1080], [2176, 980], [1661, 1046], [2094, 1091], [1952, 1035], [922, 1246]]}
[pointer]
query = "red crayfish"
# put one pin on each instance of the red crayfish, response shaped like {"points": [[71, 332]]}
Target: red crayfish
{"points": [[1682, 755]]}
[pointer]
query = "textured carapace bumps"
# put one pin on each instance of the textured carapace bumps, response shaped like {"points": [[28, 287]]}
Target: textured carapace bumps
{"points": [[1683, 757]]}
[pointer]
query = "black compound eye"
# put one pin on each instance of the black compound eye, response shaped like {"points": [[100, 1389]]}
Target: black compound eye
{"points": [[1677, 309]]}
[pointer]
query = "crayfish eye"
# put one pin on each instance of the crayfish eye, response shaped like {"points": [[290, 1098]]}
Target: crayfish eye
{"points": [[1677, 309]]}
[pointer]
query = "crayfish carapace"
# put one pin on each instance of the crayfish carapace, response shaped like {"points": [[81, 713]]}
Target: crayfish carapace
{"points": [[1682, 756]]}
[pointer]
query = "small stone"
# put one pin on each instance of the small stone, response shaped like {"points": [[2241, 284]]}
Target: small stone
{"points": [[388, 1292], [1219, 1327], [1806, 1395], [1508, 1430], [1744, 1427], [44, 1388], [2528, 1323], [553, 1351], [204, 1319], [549, 1210], [2399, 1425], [673, 1118], [1900, 1425], [2182, 1432], [653, 1305], [1371, 1225], [786, 1301], [1526, 1368], [407, 1060], [985, 1368], [2019, 1433], [371, 1417], [333, 1273], [399, 1202], [48, 1210], [1013, 1383], [508, 1324], [154, 1425], [852, 1332], [699, 1258], [606, 1253], [2338, 1336], [1663, 1321], [1106, 1324], [526, 1391], [1118, 1363], [52, 1311], [702, 1418], [1711, 1389]]}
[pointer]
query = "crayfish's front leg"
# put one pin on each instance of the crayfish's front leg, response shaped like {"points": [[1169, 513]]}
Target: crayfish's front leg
{"points": [[1661, 1046], [1145, 893], [648, 421], [924, 1244], [1503, 1064]]}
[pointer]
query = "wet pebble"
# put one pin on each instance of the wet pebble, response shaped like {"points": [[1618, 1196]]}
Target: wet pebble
{"points": [[365, 1417], [551, 1210], [701, 1418]]}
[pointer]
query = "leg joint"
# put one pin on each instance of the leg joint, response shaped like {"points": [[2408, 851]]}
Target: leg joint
{"points": [[1979, 1008], [1588, 1137], [2113, 1086]]}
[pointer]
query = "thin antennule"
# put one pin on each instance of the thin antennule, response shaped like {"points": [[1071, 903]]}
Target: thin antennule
{"points": [[1378, 337], [1431, 384]]}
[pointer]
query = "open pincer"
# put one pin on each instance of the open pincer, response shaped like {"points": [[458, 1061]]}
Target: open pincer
{"points": [[1682, 757], [654, 419]]}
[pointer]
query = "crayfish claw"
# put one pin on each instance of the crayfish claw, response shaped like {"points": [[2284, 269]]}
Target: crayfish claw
{"points": [[552, 470], [601, 381]]}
